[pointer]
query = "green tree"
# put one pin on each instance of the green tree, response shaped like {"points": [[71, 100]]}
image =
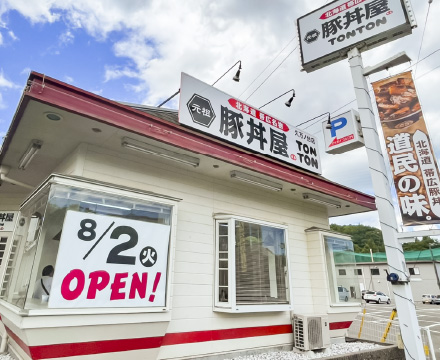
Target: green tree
{"points": [[420, 244], [367, 237]]}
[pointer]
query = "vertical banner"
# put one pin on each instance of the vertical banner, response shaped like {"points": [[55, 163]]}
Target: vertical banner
{"points": [[414, 167], [107, 261]]}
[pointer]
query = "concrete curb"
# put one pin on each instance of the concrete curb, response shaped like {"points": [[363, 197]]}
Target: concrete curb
{"points": [[391, 352]]}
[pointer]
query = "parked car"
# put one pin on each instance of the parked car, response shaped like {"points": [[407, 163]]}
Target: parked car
{"points": [[343, 293], [363, 293], [430, 299], [377, 297]]}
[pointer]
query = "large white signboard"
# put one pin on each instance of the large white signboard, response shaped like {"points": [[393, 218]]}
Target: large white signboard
{"points": [[327, 34], [106, 261], [211, 111]]}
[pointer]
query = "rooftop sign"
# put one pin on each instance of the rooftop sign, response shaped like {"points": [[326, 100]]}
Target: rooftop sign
{"points": [[328, 33], [211, 111]]}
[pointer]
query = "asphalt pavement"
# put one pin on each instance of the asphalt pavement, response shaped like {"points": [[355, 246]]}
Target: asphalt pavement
{"points": [[428, 316]]}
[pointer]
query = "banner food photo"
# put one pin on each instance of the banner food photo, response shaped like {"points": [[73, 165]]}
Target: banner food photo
{"points": [[412, 159]]}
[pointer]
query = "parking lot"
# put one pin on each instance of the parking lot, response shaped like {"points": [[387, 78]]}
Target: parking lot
{"points": [[427, 314]]}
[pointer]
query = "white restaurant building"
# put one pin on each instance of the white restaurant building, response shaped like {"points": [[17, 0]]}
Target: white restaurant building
{"points": [[227, 265]]}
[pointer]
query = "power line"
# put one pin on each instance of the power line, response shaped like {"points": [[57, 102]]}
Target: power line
{"points": [[270, 63], [423, 35], [281, 63]]}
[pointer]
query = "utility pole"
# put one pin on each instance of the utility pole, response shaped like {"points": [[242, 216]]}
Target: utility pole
{"points": [[408, 322]]}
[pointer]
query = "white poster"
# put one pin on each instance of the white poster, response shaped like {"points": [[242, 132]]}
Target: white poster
{"points": [[216, 113], [7, 220], [106, 261], [326, 34]]}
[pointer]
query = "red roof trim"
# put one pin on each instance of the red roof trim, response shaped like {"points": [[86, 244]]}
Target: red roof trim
{"points": [[67, 97]]}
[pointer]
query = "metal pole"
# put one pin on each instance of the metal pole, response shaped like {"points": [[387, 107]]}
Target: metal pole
{"points": [[435, 266], [405, 306]]}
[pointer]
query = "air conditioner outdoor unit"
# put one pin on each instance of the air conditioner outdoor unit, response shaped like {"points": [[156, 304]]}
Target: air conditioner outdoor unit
{"points": [[311, 332]]}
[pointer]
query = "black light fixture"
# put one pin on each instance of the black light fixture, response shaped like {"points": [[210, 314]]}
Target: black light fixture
{"points": [[235, 78], [237, 74], [288, 103], [327, 126]]}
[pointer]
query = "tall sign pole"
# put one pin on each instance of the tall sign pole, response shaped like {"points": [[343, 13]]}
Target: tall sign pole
{"points": [[405, 306]]}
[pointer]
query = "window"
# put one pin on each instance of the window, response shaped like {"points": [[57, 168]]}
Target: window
{"points": [[251, 270], [414, 271], [358, 271], [43, 236], [340, 262], [375, 271], [3, 241]]}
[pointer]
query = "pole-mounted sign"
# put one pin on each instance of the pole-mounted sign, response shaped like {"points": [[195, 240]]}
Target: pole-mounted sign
{"points": [[327, 33]]}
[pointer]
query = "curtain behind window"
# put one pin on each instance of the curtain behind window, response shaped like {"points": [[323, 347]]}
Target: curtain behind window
{"points": [[260, 261]]}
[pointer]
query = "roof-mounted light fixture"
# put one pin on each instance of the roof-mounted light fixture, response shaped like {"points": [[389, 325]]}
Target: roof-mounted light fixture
{"points": [[255, 180], [29, 154], [237, 74], [321, 200], [328, 126], [288, 103], [155, 150], [235, 78]]}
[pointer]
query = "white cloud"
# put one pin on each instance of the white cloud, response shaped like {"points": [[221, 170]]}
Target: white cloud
{"points": [[5, 83], [114, 72], [1, 39], [12, 35], [68, 79], [25, 71], [66, 38]]}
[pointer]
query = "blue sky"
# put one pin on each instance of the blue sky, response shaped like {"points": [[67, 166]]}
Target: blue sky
{"points": [[134, 51]]}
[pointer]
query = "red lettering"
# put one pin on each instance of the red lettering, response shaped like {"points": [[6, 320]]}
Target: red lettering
{"points": [[65, 286], [118, 285], [138, 285], [98, 281]]}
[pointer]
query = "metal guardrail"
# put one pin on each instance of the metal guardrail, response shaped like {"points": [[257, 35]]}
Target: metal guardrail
{"points": [[386, 330]]}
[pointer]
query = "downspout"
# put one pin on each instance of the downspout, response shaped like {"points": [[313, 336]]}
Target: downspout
{"points": [[4, 170], [4, 343]]}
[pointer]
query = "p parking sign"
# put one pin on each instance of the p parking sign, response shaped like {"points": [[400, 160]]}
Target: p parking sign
{"points": [[344, 134]]}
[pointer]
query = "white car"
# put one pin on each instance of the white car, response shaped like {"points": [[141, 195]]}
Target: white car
{"points": [[377, 297], [343, 293]]}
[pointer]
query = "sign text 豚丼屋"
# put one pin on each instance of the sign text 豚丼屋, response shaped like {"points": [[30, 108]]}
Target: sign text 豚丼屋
{"points": [[325, 32], [213, 112]]}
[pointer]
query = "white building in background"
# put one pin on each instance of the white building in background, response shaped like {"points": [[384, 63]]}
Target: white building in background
{"points": [[166, 242]]}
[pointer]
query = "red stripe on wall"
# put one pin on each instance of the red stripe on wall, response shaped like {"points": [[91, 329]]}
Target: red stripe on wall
{"points": [[226, 334], [94, 347], [110, 346], [340, 325], [18, 341]]}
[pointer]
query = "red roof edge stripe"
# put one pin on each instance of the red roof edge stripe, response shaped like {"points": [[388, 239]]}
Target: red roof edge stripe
{"points": [[70, 98]]}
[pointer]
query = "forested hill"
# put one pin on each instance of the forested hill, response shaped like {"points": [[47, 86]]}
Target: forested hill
{"points": [[367, 237]]}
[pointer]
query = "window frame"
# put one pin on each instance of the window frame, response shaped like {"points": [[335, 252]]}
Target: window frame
{"points": [[332, 276], [111, 189], [231, 306], [375, 270], [415, 270]]}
